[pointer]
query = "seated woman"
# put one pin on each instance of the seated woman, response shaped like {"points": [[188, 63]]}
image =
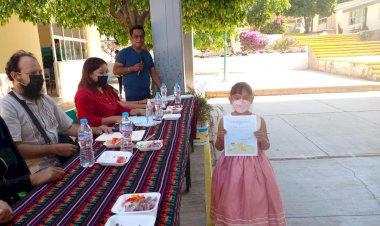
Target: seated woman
{"points": [[14, 172], [96, 101]]}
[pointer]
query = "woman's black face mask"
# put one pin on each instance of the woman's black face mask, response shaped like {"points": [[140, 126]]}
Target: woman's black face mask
{"points": [[33, 89], [102, 80]]}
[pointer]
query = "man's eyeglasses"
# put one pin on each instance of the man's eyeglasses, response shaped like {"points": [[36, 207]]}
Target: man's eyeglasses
{"points": [[29, 74], [138, 36]]}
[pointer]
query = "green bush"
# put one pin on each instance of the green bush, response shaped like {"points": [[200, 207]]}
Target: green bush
{"points": [[273, 28], [283, 45], [208, 41]]}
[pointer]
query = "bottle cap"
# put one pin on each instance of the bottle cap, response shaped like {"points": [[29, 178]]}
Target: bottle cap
{"points": [[125, 114], [83, 121]]}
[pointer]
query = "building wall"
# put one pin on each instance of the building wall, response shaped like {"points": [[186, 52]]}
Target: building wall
{"points": [[70, 72], [373, 17], [17, 35], [45, 36], [346, 23], [94, 44]]}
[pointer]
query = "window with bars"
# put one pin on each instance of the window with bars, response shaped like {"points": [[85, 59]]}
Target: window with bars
{"points": [[71, 44], [322, 20], [357, 16]]}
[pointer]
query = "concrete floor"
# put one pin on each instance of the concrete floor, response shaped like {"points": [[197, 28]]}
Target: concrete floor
{"points": [[325, 152], [193, 204]]}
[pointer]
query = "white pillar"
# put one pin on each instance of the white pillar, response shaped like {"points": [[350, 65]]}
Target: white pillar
{"points": [[189, 59], [166, 17]]}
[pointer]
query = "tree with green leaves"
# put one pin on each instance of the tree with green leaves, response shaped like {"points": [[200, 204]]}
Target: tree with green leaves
{"points": [[208, 41], [341, 1], [310, 8], [116, 17], [260, 12]]}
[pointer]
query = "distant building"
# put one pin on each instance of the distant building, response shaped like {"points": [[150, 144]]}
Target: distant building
{"points": [[349, 17]]}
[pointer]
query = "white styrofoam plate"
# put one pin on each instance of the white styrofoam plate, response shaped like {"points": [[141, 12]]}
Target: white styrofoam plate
{"points": [[137, 135], [119, 206], [185, 96], [172, 116], [174, 109], [110, 158], [149, 145], [169, 98], [131, 220]]}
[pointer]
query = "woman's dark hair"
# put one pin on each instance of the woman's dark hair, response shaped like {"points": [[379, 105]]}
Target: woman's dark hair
{"points": [[136, 27], [89, 66], [239, 87], [12, 64]]}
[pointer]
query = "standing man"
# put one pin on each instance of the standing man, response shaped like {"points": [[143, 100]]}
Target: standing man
{"points": [[119, 77], [137, 67], [25, 72]]}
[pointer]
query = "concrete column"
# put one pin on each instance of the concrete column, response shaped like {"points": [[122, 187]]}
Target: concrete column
{"points": [[166, 17], [189, 59]]}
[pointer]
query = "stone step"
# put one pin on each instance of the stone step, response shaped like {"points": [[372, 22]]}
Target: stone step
{"points": [[338, 51], [375, 67], [304, 90], [325, 55], [340, 43], [362, 46]]}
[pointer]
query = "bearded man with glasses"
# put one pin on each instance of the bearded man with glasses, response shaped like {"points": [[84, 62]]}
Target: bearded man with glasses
{"points": [[39, 150]]}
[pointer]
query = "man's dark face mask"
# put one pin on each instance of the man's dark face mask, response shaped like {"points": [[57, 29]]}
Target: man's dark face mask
{"points": [[33, 89]]}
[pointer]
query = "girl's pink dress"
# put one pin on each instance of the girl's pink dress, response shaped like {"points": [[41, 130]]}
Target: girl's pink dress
{"points": [[244, 192]]}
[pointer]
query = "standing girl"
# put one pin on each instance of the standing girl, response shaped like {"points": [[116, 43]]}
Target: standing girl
{"points": [[244, 188]]}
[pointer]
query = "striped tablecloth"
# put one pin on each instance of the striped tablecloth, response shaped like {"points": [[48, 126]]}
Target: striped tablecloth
{"points": [[85, 196]]}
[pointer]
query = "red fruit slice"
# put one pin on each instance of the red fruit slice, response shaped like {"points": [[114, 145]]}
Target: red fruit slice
{"points": [[121, 159]]}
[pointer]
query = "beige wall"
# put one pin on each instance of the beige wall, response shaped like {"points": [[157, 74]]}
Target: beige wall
{"points": [[373, 17], [14, 36], [45, 35], [329, 26], [94, 44], [17, 35]]}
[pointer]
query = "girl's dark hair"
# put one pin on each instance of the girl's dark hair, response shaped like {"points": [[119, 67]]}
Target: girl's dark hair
{"points": [[89, 66], [12, 64], [239, 87]]}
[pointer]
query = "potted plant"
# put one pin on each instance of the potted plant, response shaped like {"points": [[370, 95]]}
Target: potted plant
{"points": [[204, 117]]}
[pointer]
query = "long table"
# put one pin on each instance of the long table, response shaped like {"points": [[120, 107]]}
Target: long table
{"points": [[85, 196]]}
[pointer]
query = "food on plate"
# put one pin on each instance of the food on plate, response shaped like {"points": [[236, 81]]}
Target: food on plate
{"points": [[173, 110], [121, 159], [150, 144], [139, 203], [113, 141]]}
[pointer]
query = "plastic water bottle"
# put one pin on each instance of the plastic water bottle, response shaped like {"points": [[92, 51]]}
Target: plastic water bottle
{"points": [[149, 112], [126, 128], [164, 94], [177, 95], [158, 107], [85, 142]]}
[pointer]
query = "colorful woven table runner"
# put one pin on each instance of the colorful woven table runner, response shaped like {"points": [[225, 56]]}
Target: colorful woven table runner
{"points": [[85, 196]]}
